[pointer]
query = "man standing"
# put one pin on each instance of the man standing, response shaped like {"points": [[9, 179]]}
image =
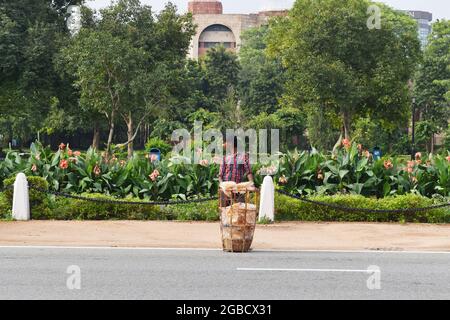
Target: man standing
{"points": [[236, 168]]}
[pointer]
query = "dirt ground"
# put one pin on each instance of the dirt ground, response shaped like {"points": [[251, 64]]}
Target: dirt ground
{"points": [[280, 236]]}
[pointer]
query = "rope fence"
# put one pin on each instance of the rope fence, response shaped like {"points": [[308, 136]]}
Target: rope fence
{"points": [[124, 202], [202, 200]]}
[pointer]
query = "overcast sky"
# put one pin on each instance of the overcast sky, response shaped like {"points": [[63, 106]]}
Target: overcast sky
{"points": [[439, 8]]}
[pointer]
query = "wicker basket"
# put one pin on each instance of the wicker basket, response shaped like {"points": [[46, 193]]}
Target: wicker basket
{"points": [[238, 220]]}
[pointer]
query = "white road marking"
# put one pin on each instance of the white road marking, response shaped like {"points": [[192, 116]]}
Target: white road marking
{"points": [[307, 270], [213, 249]]}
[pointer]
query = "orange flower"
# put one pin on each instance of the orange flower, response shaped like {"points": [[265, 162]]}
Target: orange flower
{"points": [[77, 153], [418, 162], [64, 164], [62, 146], [388, 164], [69, 152], [367, 154], [97, 171], [411, 164], [346, 143], [360, 147], [154, 176]]}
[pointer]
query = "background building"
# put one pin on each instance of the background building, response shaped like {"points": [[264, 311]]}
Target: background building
{"points": [[424, 19], [216, 28]]}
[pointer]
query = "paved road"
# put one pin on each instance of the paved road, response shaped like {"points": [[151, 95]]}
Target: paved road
{"points": [[41, 273]]}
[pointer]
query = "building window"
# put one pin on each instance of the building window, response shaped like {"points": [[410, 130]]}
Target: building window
{"points": [[216, 35]]}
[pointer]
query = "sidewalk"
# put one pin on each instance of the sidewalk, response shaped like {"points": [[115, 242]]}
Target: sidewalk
{"points": [[282, 236]]}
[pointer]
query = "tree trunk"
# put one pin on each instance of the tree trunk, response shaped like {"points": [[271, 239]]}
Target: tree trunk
{"points": [[96, 137], [432, 143], [130, 134], [112, 125], [347, 124]]}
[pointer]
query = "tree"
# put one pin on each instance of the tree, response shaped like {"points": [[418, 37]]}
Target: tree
{"points": [[221, 69], [124, 65], [262, 78], [432, 84], [31, 33], [336, 63]]}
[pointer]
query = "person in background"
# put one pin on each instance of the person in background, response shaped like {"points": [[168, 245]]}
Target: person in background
{"points": [[236, 168]]}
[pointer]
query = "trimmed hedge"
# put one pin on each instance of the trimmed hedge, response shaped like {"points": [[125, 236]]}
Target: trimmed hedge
{"points": [[288, 209], [5, 207]]}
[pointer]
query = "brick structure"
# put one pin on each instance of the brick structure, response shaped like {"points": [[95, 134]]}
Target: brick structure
{"points": [[205, 7], [215, 28]]}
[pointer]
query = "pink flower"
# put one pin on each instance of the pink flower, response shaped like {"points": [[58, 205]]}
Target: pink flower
{"points": [[346, 143], [388, 164], [418, 162], [448, 158], [154, 176], [153, 158], [69, 152], [64, 164], [97, 171], [77, 153], [367, 154], [62, 146], [410, 170], [411, 164], [418, 155], [360, 147], [204, 163], [34, 168]]}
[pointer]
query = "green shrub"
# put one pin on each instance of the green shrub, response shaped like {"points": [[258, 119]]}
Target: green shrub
{"points": [[74, 209], [5, 207], [39, 202], [160, 144], [206, 211], [288, 209]]}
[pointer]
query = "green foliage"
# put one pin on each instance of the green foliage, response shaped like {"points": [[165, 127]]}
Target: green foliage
{"points": [[262, 78], [334, 61], [160, 144], [390, 138], [91, 172], [288, 209], [73, 209], [31, 34], [5, 207], [433, 82], [221, 74], [351, 170]]}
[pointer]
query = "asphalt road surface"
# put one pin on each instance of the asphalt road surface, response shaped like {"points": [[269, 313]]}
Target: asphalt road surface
{"points": [[103, 273]]}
